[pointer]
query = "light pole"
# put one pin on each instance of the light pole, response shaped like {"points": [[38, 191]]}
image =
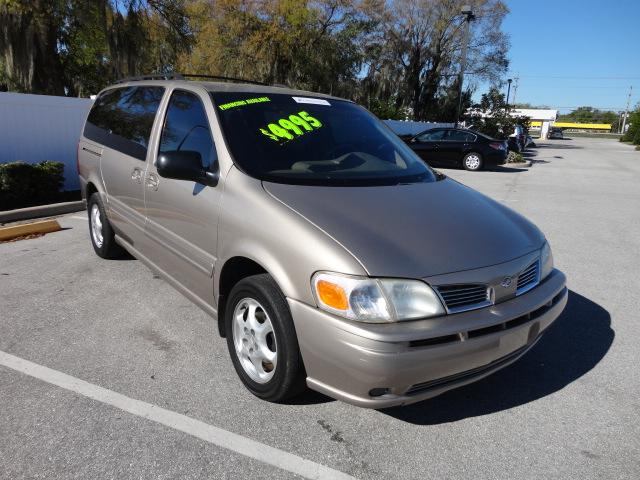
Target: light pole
{"points": [[626, 111], [508, 92], [465, 10]]}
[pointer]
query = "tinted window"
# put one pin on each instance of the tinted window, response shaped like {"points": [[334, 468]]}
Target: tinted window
{"points": [[186, 127], [304, 140], [122, 119], [432, 136], [459, 136]]}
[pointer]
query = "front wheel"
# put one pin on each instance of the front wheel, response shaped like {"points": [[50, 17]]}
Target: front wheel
{"points": [[472, 161], [262, 340]]}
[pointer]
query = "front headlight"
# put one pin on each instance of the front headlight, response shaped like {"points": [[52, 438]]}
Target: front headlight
{"points": [[375, 300], [546, 261]]}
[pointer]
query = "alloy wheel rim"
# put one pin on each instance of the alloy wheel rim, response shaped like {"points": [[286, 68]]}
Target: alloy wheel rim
{"points": [[254, 340], [96, 226], [473, 162]]}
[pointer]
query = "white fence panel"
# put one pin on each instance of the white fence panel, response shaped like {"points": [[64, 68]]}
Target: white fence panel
{"points": [[34, 128]]}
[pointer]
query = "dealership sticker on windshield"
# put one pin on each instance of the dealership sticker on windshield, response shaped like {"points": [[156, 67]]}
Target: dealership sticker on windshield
{"points": [[314, 101], [240, 103]]}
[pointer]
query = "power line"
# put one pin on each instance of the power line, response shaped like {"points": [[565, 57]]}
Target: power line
{"points": [[596, 86], [591, 106], [579, 77]]}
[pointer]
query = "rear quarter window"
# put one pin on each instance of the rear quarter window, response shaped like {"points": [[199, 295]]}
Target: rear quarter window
{"points": [[122, 119]]}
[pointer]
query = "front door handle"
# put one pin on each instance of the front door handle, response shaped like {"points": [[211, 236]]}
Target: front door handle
{"points": [[152, 181], [136, 175]]}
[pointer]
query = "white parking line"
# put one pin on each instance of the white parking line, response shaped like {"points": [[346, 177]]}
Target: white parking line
{"points": [[204, 431], [76, 217]]}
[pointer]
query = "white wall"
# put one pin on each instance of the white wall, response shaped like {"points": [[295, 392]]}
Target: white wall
{"points": [[34, 128]]}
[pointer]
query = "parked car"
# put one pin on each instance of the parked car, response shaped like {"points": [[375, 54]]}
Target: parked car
{"points": [[327, 252], [453, 147], [513, 144], [555, 132]]}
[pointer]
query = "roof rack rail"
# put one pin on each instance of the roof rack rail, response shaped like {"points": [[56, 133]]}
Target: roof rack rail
{"points": [[220, 77], [185, 76], [154, 76]]}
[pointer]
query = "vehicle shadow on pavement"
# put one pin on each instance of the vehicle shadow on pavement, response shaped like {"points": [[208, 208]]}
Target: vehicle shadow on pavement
{"points": [[494, 169], [123, 255], [559, 146], [572, 346], [506, 169]]}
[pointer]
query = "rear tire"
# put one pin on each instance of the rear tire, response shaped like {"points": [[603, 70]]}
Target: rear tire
{"points": [[472, 161], [100, 230], [262, 340]]}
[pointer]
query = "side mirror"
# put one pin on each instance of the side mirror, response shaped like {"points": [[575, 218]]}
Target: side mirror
{"points": [[185, 165]]}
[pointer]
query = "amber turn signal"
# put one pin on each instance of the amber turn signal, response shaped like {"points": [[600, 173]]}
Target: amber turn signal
{"points": [[332, 295]]}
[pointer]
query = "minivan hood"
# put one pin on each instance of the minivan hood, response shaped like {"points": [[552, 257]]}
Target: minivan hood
{"points": [[415, 230]]}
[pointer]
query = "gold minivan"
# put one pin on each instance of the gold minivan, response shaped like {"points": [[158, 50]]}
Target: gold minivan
{"points": [[329, 254]]}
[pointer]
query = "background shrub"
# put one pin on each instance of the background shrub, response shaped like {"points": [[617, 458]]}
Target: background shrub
{"points": [[633, 133], [514, 157], [25, 185]]}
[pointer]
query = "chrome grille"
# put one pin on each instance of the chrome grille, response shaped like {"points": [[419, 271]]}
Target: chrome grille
{"points": [[463, 297], [528, 279]]}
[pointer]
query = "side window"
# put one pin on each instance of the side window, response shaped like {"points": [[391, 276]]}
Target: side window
{"points": [[186, 127], [431, 136], [122, 119]]}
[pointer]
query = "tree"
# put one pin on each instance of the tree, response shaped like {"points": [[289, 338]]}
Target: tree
{"points": [[633, 132], [29, 32], [70, 47], [313, 45], [420, 52], [491, 117], [400, 58], [589, 115]]}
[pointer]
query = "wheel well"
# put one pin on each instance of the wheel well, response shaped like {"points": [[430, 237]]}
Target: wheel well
{"points": [[234, 270], [89, 190]]}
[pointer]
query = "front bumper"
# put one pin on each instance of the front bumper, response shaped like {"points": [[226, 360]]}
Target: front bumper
{"points": [[407, 362]]}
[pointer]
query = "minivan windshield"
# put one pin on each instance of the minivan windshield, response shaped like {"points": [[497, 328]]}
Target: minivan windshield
{"points": [[314, 141]]}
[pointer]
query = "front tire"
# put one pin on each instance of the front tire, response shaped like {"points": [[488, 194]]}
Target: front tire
{"points": [[262, 341], [472, 161], [100, 230]]}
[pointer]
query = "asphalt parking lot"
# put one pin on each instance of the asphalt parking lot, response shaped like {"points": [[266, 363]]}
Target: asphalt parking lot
{"points": [[119, 345]]}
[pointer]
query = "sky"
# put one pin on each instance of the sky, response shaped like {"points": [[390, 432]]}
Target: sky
{"points": [[594, 45]]}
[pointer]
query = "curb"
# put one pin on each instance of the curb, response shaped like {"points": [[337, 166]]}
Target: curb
{"points": [[528, 163], [41, 211], [45, 226]]}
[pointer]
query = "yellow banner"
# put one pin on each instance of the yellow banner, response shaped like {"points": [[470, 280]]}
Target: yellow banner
{"points": [[589, 126], [586, 126]]}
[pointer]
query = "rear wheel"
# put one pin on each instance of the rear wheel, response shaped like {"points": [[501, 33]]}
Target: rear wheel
{"points": [[262, 340], [472, 161], [100, 231]]}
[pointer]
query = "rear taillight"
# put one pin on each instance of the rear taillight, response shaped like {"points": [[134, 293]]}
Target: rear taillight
{"points": [[497, 146], [78, 158]]}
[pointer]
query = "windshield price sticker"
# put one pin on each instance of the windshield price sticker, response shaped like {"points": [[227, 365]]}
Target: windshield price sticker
{"points": [[240, 103], [291, 127]]}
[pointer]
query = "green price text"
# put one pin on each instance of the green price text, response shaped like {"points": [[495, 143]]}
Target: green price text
{"points": [[295, 125]]}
